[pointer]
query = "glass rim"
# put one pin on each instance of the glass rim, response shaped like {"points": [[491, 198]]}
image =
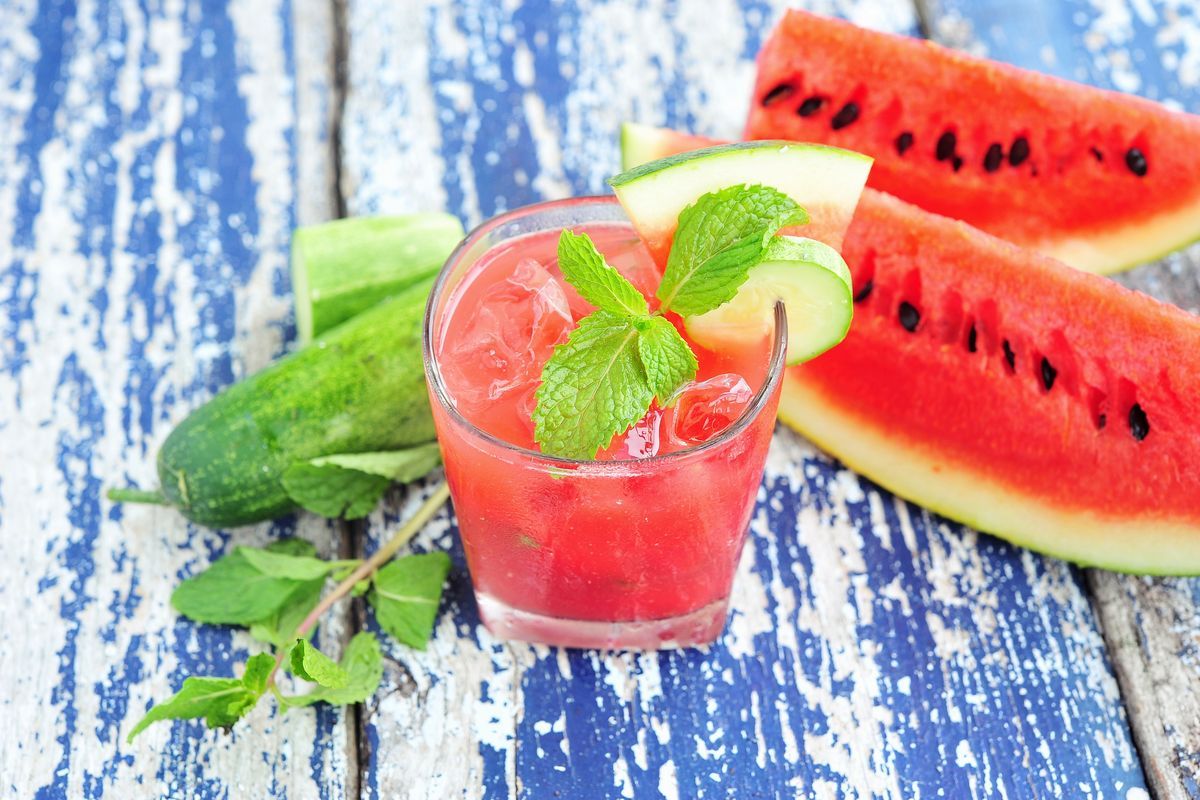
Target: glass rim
{"points": [[433, 374]]}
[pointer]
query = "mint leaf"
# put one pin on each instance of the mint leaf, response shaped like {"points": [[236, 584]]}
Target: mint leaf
{"points": [[593, 387], [232, 592], [258, 669], [350, 485], [718, 239], [334, 491], [221, 701], [596, 281], [282, 565], [363, 665], [292, 547], [401, 466], [668, 360], [310, 664], [405, 595], [279, 628]]}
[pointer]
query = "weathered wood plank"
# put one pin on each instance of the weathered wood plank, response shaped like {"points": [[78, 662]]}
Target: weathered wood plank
{"points": [[1151, 48], [875, 650], [151, 158]]}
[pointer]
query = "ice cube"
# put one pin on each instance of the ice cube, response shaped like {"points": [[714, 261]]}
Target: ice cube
{"points": [[630, 258], [640, 441], [704, 409], [509, 337]]}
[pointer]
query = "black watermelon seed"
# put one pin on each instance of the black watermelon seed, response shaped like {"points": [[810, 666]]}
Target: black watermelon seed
{"points": [[777, 95], [1101, 421], [810, 106], [945, 146], [1010, 356], [972, 340], [1139, 424], [1097, 154], [994, 157], [865, 291], [909, 316], [1019, 152], [957, 163], [846, 116], [1049, 373], [903, 142], [1136, 161]]}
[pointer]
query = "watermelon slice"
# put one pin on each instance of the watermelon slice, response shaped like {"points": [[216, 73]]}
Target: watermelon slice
{"points": [[1098, 179], [641, 144], [825, 181], [1052, 408]]}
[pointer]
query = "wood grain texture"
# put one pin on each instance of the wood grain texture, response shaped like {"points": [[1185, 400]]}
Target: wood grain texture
{"points": [[151, 158], [874, 650], [1151, 48]]}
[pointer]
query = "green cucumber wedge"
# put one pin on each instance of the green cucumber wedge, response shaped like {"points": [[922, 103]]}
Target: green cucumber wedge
{"points": [[360, 388], [813, 282], [342, 268]]}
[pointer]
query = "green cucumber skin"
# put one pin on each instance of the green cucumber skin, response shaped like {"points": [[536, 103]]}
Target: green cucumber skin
{"points": [[359, 388], [343, 267]]}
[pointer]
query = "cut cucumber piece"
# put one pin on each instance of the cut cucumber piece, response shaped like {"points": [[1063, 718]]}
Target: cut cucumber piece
{"points": [[825, 181], [813, 282], [342, 268]]}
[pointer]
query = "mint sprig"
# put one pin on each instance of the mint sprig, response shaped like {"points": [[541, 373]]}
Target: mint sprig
{"points": [[668, 360], [622, 357], [593, 387], [718, 239], [276, 591], [596, 281]]}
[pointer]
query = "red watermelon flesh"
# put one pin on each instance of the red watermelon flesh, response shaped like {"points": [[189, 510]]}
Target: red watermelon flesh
{"points": [[1098, 179], [1048, 406]]}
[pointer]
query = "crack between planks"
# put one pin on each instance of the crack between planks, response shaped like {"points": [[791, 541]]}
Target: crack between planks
{"points": [[1129, 668], [358, 744], [925, 11], [341, 49], [357, 714]]}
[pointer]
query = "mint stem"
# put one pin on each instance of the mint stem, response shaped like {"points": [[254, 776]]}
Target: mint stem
{"points": [[132, 495], [368, 567]]}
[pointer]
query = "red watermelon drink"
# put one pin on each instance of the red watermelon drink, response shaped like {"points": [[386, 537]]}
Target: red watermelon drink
{"points": [[604, 379], [636, 548]]}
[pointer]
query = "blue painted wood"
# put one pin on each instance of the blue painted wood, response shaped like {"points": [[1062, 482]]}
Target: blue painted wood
{"points": [[1150, 48], [1145, 47], [148, 170], [874, 650]]}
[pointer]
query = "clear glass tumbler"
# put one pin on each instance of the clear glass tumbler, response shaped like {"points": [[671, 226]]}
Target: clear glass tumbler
{"points": [[631, 554]]}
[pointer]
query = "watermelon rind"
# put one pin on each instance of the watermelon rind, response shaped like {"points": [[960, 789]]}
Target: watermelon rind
{"points": [[1142, 545], [826, 181]]}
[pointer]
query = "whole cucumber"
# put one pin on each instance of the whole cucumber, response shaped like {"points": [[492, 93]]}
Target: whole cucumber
{"points": [[358, 388]]}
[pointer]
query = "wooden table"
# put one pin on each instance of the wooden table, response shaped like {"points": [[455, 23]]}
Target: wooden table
{"points": [[154, 159]]}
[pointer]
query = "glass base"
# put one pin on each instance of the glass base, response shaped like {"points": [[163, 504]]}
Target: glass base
{"points": [[698, 627]]}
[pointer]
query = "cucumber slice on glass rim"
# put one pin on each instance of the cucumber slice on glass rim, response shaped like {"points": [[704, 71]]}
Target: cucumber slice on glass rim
{"points": [[813, 282], [807, 274]]}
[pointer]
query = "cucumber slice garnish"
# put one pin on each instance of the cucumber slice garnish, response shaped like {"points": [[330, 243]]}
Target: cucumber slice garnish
{"points": [[813, 282]]}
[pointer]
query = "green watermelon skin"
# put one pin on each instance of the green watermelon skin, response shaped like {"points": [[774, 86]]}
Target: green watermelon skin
{"points": [[938, 416], [1103, 181]]}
